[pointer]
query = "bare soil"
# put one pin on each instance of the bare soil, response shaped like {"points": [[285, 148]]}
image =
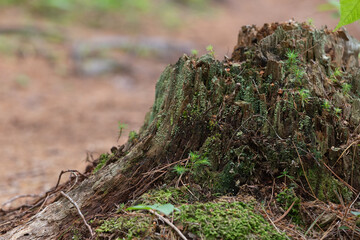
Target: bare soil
{"points": [[50, 118]]}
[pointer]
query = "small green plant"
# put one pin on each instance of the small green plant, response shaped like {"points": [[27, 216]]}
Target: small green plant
{"points": [[293, 66], [133, 136], [337, 111], [310, 21], [326, 105], [121, 127], [346, 87], [195, 166], [292, 57], [210, 50], [194, 52], [304, 96], [180, 169], [337, 73], [285, 175]]}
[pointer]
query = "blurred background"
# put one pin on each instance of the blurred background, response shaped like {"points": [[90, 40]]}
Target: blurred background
{"points": [[73, 71]]}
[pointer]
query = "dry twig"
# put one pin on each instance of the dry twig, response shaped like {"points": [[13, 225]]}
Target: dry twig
{"points": [[285, 213], [78, 209], [167, 221], [19, 196]]}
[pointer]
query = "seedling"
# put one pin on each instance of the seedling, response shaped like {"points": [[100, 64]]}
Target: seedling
{"points": [[337, 112], [285, 175], [326, 105], [292, 57], [346, 87], [121, 127], [194, 52], [304, 96], [337, 73], [210, 50]]}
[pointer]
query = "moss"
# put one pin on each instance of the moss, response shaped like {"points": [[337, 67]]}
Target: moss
{"points": [[226, 221], [171, 195], [133, 136], [326, 187], [102, 161], [127, 227]]}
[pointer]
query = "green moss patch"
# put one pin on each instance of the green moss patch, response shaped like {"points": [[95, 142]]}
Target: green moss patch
{"points": [[225, 220], [126, 227]]}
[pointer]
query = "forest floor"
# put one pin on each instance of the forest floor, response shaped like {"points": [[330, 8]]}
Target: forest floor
{"points": [[53, 120]]}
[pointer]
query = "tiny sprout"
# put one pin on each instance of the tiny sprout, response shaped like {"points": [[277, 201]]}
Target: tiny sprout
{"points": [[346, 87], [326, 105], [180, 169], [194, 52], [292, 56], [337, 111], [210, 50], [121, 127], [304, 95], [337, 72], [310, 21]]}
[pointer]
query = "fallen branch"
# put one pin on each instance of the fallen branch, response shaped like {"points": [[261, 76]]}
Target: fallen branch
{"points": [[81, 215]]}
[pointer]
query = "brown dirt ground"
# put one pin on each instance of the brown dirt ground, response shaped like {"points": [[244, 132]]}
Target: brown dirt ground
{"points": [[50, 119]]}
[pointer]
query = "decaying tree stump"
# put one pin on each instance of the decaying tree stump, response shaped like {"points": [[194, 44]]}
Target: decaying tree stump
{"points": [[286, 102]]}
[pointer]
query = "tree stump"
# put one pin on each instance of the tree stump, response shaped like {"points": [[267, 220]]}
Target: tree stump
{"points": [[286, 105]]}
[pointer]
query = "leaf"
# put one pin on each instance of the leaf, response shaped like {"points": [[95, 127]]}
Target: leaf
{"points": [[163, 208], [355, 213], [349, 12], [344, 228], [139, 207]]}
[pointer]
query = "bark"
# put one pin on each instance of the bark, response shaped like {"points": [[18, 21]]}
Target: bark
{"points": [[246, 115]]}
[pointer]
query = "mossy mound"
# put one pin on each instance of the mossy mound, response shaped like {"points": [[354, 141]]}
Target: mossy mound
{"points": [[278, 121], [284, 109], [226, 219], [284, 102]]}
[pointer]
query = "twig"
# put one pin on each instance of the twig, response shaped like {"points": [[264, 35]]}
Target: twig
{"points": [[78, 209], [168, 223], [285, 213], [66, 171], [344, 152], [329, 230], [345, 183], [314, 222], [19, 196], [271, 221]]}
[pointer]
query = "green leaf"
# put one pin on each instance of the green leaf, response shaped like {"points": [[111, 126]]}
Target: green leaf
{"points": [[344, 228], [355, 213], [139, 207], [163, 208], [349, 12]]}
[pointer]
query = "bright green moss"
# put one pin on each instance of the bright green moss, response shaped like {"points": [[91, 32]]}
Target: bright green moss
{"points": [[226, 221], [102, 161], [127, 227]]}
